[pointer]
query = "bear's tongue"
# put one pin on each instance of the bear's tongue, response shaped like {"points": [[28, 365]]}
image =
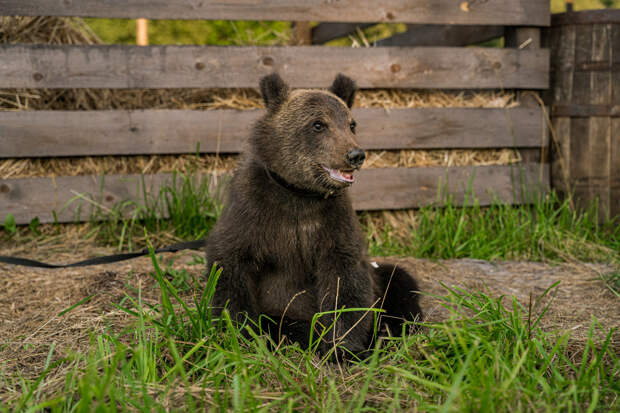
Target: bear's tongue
{"points": [[340, 175]]}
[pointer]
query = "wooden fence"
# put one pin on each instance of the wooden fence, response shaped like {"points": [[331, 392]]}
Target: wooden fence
{"points": [[522, 64], [585, 99]]}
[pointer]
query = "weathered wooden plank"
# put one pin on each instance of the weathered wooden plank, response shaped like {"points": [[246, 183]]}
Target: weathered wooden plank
{"points": [[443, 35], [116, 66], [562, 60], [561, 156], [78, 133], [614, 170], [83, 133], [392, 188], [614, 156], [580, 153], [71, 199], [562, 46], [499, 12], [580, 149], [396, 188], [586, 111], [587, 17], [600, 127]]}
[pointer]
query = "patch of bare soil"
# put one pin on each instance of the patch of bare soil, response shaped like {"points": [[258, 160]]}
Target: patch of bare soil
{"points": [[32, 300], [580, 296]]}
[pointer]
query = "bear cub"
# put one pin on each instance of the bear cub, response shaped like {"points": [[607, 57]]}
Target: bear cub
{"points": [[288, 241]]}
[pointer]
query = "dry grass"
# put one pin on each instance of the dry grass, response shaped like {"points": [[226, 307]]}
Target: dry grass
{"points": [[46, 30]]}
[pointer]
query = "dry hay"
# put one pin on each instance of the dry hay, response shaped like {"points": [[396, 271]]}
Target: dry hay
{"points": [[109, 165], [53, 30], [46, 30], [207, 163], [240, 99]]}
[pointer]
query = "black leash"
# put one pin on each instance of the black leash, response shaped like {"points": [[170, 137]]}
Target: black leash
{"points": [[107, 259]]}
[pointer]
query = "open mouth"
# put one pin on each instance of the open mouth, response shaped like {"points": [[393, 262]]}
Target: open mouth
{"points": [[341, 176]]}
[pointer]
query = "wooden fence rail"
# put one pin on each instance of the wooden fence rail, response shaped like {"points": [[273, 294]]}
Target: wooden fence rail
{"points": [[440, 24], [389, 188], [115, 66], [84, 133], [491, 12]]}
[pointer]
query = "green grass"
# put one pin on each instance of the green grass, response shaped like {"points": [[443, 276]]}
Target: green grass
{"points": [[549, 229], [214, 32], [177, 356]]}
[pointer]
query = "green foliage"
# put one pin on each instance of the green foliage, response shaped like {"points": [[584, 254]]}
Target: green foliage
{"points": [[9, 225], [558, 6], [34, 226], [214, 32]]}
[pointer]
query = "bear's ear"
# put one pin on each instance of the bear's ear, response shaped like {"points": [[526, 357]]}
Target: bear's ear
{"points": [[274, 91], [344, 87]]}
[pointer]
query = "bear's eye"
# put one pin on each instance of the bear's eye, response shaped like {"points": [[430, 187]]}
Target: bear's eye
{"points": [[352, 126], [318, 126]]}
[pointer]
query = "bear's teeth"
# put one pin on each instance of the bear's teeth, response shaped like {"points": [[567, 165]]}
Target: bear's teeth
{"points": [[340, 175]]}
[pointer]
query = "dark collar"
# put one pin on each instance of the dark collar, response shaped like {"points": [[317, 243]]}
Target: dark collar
{"points": [[277, 179]]}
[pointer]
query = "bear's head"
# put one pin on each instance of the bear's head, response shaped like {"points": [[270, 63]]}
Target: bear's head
{"points": [[307, 136]]}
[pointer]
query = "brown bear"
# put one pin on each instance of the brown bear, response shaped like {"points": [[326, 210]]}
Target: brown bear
{"points": [[288, 241]]}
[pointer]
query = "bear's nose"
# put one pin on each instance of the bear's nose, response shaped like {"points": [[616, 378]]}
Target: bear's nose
{"points": [[356, 157]]}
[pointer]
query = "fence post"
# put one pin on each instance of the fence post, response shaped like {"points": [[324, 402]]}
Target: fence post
{"points": [[302, 33], [142, 32], [526, 38]]}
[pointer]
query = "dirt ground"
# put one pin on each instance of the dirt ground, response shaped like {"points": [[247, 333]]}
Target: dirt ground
{"points": [[31, 299]]}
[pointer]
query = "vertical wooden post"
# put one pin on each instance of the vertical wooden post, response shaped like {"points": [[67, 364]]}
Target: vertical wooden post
{"points": [[302, 33], [527, 38], [142, 32], [569, 5]]}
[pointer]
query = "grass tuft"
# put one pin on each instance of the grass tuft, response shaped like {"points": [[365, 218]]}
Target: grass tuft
{"points": [[548, 230], [186, 207]]}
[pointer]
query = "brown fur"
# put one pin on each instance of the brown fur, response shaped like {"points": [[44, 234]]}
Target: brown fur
{"points": [[288, 239]]}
